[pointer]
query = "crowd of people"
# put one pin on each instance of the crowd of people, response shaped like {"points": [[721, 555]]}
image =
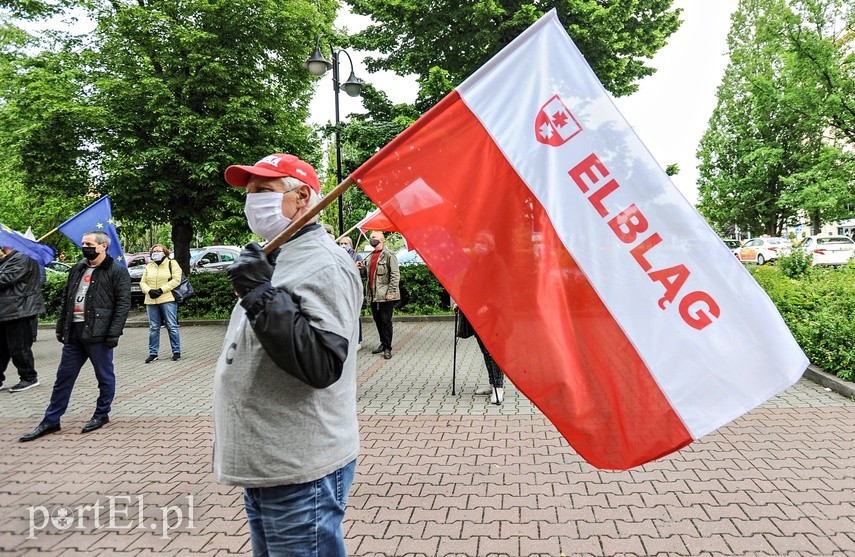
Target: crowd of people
{"points": [[284, 408]]}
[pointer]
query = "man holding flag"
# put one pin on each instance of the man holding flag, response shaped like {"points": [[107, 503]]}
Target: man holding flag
{"points": [[95, 304]]}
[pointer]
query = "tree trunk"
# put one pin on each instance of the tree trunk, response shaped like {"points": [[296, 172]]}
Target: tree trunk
{"points": [[182, 232], [815, 223]]}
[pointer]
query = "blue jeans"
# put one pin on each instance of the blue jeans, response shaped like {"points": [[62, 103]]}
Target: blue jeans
{"points": [[157, 314], [300, 520], [75, 352]]}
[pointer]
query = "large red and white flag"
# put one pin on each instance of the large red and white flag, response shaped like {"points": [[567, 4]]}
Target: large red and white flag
{"points": [[600, 291]]}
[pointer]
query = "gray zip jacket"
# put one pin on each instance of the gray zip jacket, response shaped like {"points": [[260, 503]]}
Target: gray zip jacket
{"points": [[275, 426]]}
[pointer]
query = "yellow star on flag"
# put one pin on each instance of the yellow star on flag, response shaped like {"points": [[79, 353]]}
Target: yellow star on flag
{"points": [[99, 225]]}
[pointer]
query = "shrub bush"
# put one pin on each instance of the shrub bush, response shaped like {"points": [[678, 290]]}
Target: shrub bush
{"points": [[214, 299], [796, 264], [421, 292], [52, 292], [817, 304], [818, 308]]}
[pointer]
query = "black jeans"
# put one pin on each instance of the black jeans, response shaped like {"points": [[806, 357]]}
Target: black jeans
{"points": [[382, 314], [16, 345], [494, 372]]}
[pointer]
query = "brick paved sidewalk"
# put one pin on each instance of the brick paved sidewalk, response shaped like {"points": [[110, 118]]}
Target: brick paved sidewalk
{"points": [[438, 474]]}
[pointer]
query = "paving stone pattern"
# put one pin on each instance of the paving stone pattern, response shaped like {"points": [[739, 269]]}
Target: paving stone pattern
{"points": [[439, 474]]}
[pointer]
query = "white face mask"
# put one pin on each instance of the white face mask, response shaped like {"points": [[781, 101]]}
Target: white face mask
{"points": [[157, 256], [264, 214]]}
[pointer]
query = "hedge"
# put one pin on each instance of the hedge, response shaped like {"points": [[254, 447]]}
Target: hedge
{"points": [[421, 295], [816, 303], [818, 306]]}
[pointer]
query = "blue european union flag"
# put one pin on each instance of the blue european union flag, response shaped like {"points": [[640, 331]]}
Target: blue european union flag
{"points": [[18, 242], [98, 217]]}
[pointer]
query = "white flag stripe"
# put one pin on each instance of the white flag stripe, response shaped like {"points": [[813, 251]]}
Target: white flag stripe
{"points": [[711, 375]]}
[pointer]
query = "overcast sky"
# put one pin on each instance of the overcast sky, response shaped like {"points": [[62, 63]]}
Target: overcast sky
{"points": [[669, 112]]}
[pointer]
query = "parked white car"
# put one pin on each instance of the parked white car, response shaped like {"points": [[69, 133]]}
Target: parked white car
{"points": [[829, 250], [763, 249]]}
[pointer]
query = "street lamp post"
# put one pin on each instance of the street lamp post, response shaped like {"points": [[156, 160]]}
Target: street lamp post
{"points": [[318, 65]]}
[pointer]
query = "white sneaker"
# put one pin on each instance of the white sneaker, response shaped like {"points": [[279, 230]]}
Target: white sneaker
{"points": [[2, 387], [359, 347], [484, 391], [498, 395]]}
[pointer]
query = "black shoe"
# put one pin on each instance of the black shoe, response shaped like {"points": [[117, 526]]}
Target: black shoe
{"points": [[95, 423], [387, 354], [151, 358], [176, 356], [24, 385], [40, 431], [377, 350]]}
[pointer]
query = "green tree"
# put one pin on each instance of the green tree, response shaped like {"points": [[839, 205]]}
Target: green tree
{"points": [[26, 204], [442, 42], [776, 143], [754, 139], [160, 98], [820, 36], [416, 36]]}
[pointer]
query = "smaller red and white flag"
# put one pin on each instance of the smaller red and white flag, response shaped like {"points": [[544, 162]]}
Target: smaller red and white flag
{"points": [[600, 291], [375, 220]]}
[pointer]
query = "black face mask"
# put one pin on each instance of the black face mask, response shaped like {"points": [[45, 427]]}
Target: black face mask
{"points": [[374, 242], [89, 252]]}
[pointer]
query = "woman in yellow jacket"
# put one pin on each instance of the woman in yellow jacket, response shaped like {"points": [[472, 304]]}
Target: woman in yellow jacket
{"points": [[161, 275]]}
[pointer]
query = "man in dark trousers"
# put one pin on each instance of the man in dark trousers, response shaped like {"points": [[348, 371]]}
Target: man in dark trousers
{"points": [[21, 301], [95, 305]]}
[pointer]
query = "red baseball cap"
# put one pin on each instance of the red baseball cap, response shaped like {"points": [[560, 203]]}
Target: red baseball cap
{"points": [[277, 165]]}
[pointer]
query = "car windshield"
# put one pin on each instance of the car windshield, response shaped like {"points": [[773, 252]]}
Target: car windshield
{"points": [[194, 254]]}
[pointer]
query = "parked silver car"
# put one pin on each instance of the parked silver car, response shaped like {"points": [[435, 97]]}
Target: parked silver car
{"points": [[212, 259]]}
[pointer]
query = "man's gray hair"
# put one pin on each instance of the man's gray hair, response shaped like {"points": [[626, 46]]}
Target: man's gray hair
{"points": [[100, 237], [292, 183]]}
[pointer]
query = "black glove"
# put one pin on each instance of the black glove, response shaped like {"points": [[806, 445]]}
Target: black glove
{"points": [[111, 342], [59, 338], [250, 270], [271, 258], [155, 292]]}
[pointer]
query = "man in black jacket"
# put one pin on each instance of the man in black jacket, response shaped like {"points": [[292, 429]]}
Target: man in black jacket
{"points": [[95, 305], [21, 301]]}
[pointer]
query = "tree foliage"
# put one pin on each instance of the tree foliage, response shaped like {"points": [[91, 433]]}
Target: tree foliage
{"points": [[416, 36], [775, 145], [163, 95], [442, 42]]}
